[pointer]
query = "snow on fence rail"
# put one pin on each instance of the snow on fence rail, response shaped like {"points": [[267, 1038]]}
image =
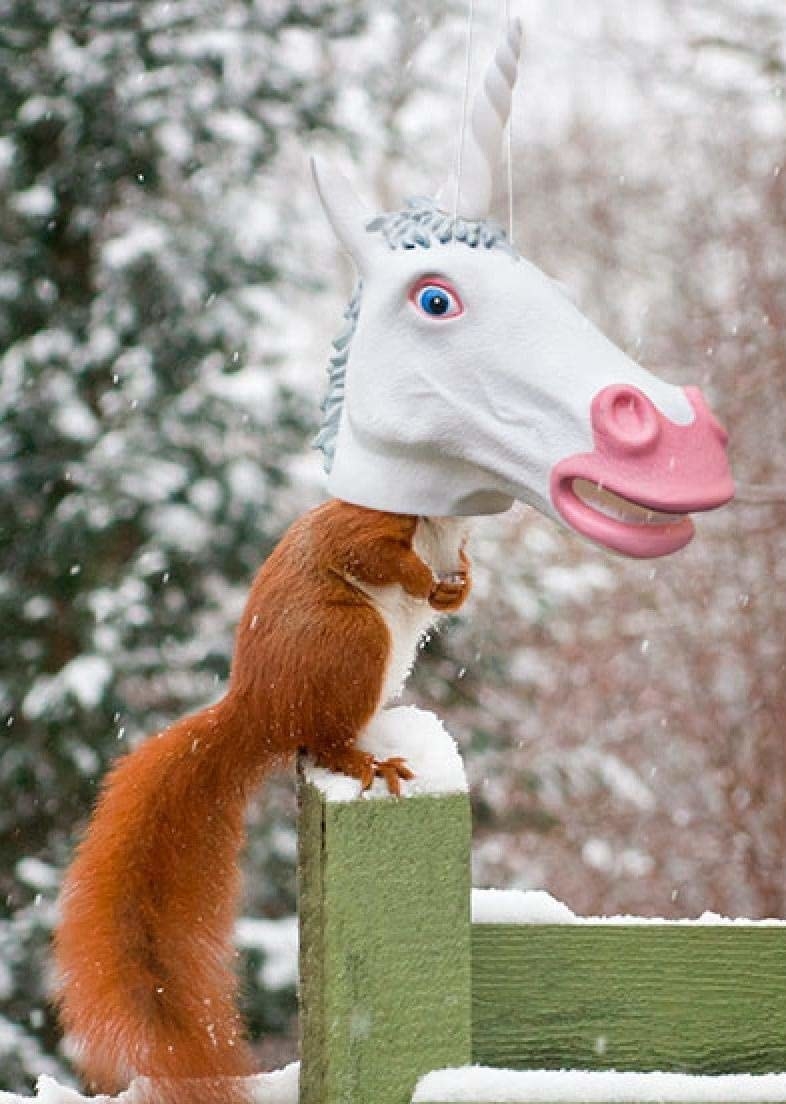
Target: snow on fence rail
{"points": [[483, 1085]]}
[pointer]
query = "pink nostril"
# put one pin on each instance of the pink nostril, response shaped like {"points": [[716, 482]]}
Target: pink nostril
{"points": [[625, 418]]}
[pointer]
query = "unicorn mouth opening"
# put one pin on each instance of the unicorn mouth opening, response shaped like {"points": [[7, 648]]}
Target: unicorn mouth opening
{"points": [[614, 506], [618, 522]]}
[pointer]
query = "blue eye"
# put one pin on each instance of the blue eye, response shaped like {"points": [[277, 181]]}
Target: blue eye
{"points": [[436, 300]]}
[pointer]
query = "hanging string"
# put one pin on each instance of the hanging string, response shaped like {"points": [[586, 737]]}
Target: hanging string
{"points": [[464, 103], [509, 150]]}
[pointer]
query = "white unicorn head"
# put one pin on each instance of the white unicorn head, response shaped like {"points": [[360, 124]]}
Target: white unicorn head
{"points": [[465, 378]]}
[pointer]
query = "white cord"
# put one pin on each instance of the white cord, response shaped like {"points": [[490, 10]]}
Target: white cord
{"points": [[465, 103], [510, 146]]}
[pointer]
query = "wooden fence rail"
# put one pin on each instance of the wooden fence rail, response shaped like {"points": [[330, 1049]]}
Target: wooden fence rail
{"points": [[396, 981], [690, 999]]}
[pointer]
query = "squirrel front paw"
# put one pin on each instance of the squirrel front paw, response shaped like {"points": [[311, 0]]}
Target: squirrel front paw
{"points": [[450, 591]]}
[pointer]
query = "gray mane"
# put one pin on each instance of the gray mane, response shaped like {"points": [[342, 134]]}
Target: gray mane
{"points": [[337, 371], [419, 226]]}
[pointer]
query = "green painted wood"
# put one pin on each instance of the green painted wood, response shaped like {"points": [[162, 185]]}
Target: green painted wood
{"points": [[688, 999], [385, 944], [311, 945]]}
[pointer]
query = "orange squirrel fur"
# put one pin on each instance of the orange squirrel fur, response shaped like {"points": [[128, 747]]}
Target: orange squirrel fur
{"points": [[144, 946]]}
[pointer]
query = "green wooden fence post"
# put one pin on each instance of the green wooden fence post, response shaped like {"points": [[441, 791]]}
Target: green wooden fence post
{"points": [[385, 943]]}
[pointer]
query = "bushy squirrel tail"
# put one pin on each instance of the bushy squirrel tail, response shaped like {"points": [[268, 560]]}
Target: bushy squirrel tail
{"points": [[143, 950]]}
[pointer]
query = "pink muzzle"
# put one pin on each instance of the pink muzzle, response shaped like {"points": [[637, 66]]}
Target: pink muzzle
{"points": [[633, 492]]}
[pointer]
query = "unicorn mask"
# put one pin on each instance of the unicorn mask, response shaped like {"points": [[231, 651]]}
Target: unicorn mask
{"points": [[465, 378]]}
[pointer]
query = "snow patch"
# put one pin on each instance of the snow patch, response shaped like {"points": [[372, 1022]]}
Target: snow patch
{"points": [[145, 239], [234, 126], [499, 1086], [416, 735], [247, 481], [85, 677], [178, 526], [516, 906], [279, 1087], [6, 155], [248, 388], [519, 906], [37, 874], [617, 777], [278, 941], [577, 583], [36, 202], [15, 1042], [598, 854], [74, 419]]}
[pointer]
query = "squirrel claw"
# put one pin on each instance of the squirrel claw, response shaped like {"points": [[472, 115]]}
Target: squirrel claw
{"points": [[399, 764], [367, 777], [392, 770]]}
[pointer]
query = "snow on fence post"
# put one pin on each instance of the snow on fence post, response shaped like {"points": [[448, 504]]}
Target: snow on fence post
{"points": [[384, 889]]}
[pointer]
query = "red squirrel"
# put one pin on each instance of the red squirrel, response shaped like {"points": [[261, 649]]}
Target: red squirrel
{"points": [[143, 949]]}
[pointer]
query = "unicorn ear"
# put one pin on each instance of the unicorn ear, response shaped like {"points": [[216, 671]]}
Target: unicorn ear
{"points": [[346, 213]]}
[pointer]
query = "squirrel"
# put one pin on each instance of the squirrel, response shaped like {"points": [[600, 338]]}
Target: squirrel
{"points": [[143, 948]]}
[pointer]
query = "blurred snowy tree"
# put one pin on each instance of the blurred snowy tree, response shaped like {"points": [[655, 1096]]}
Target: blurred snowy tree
{"points": [[152, 429], [145, 431]]}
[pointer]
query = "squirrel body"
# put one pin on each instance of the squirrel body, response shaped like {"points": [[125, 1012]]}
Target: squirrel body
{"points": [[438, 543], [143, 950]]}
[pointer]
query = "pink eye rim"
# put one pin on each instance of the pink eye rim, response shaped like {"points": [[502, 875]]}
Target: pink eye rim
{"points": [[436, 298]]}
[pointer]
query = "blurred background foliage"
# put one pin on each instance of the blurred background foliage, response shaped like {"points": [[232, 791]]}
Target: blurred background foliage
{"points": [[167, 295]]}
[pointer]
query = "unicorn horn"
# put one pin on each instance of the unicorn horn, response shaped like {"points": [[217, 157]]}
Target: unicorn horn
{"points": [[482, 144]]}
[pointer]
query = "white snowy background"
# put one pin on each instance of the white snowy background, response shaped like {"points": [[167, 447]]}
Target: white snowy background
{"points": [[165, 321]]}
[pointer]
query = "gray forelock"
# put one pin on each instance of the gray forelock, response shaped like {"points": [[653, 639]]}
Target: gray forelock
{"points": [[423, 224], [420, 225]]}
